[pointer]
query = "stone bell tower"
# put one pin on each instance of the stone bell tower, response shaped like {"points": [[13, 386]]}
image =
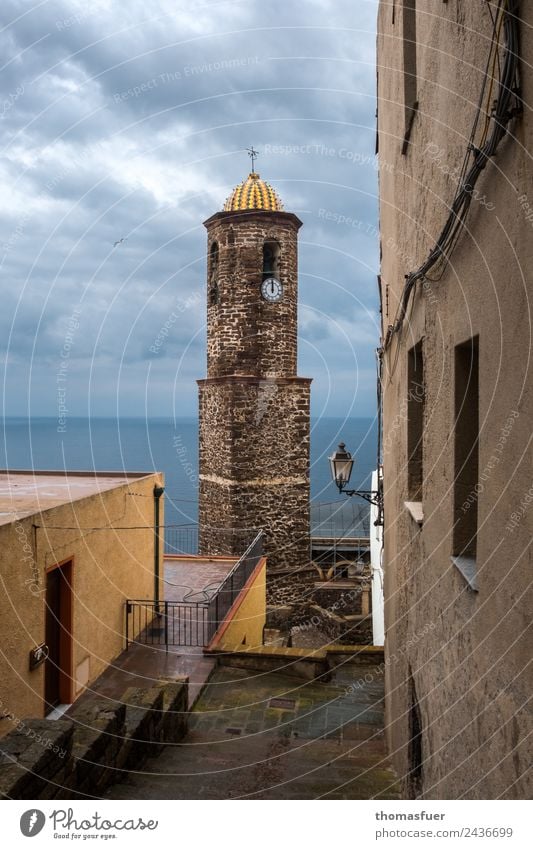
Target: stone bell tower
{"points": [[254, 410]]}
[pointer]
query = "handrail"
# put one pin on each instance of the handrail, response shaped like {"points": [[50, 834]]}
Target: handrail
{"points": [[162, 602], [233, 583], [163, 623], [243, 557], [199, 629]]}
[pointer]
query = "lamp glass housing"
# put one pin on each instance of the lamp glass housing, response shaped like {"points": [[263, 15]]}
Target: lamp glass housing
{"points": [[341, 464]]}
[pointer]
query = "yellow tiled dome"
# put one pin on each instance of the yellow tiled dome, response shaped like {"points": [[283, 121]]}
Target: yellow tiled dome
{"points": [[253, 193]]}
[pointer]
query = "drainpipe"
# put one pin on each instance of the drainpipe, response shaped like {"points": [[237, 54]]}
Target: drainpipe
{"points": [[158, 492]]}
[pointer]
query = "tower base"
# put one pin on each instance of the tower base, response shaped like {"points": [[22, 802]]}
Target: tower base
{"points": [[254, 467]]}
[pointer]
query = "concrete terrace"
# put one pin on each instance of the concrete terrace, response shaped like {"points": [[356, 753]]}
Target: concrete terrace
{"points": [[23, 493], [273, 736], [196, 577]]}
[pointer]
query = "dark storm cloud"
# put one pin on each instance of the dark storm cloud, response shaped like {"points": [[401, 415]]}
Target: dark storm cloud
{"points": [[132, 124]]}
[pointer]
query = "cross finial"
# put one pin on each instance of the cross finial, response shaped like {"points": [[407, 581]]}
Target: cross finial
{"points": [[253, 154]]}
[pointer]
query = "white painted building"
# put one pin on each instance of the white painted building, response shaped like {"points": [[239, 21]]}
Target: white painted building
{"points": [[376, 557]]}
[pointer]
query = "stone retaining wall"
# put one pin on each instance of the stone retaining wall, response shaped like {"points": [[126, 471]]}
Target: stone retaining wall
{"points": [[309, 664], [298, 604], [80, 756]]}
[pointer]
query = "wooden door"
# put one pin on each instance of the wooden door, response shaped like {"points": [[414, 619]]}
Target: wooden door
{"points": [[58, 637]]}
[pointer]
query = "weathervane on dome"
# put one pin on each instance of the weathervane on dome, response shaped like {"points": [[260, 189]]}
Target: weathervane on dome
{"points": [[253, 154]]}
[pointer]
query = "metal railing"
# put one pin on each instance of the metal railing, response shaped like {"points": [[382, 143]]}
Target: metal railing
{"points": [[233, 583], [217, 541], [166, 623], [335, 519], [181, 540], [179, 623]]}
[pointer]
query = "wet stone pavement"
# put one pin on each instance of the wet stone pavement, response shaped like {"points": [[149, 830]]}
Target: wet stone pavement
{"points": [[273, 736]]}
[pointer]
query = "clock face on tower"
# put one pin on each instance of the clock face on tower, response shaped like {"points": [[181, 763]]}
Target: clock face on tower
{"points": [[272, 290]]}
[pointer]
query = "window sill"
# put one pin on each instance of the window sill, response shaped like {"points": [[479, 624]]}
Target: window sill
{"points": [[467, 568], [416, 510]]}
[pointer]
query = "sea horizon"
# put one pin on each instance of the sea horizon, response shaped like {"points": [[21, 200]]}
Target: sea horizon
{"points": [[169, 445], [162, 418]]}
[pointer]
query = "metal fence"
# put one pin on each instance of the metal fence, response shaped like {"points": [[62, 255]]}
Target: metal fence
{"points": [[334, 520], [166, 623], [181, 540], [178, 623], [220, 541]]}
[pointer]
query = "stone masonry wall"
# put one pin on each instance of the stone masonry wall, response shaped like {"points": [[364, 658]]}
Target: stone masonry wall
{"points": [[246, 335], [254, 410], [459, 656], [255, 466], [81, 755]]}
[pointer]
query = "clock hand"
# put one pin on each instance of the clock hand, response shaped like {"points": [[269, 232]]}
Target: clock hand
{"points": [[272, 286]]}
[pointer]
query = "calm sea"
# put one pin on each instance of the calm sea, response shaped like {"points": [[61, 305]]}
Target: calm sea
{"points": [[170, 446]]}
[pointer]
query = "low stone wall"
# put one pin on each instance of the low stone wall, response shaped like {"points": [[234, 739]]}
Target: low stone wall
{"points": [[82, 755], [362, 655], [303, 663], [309, 664]]}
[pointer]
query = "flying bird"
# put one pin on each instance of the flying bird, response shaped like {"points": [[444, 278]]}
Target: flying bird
{"points": [[119, 242]]}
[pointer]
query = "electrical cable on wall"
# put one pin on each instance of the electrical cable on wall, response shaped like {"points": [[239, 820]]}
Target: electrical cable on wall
{"points": [[125, 527], [504, 110]]}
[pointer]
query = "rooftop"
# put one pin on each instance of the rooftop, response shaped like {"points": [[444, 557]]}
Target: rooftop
{"points": [[253, 193], [195, 578], [24, 493]]}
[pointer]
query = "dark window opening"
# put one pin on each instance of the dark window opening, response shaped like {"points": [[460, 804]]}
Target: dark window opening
{"points": [[213, 274], [271, 255], [415, 423], [409, 69], [466, 470], [213, 262], [415, 748]]}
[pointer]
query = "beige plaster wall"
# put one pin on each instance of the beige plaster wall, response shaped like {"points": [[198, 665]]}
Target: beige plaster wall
{"points": [[248, 616], [109, 566], [467, 651]]}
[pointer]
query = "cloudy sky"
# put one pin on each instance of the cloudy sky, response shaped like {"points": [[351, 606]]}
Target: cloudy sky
{"points": [[130, 121]]}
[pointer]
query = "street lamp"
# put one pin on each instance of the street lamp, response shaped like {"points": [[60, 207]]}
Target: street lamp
{"points": [[341, 464]]}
